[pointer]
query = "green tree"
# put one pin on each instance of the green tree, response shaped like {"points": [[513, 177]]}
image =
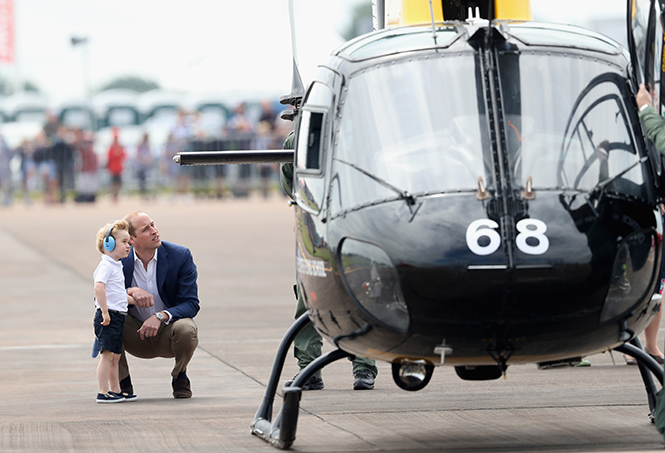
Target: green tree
{"points": [[5, 87], [8, 88], [138, 84], [29, 86], [361, 21]]}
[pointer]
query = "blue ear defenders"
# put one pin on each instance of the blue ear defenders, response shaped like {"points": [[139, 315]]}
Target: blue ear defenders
{"points": [[109, 241]]}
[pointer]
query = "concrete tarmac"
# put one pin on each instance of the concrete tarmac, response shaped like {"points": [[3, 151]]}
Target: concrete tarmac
{"points": [[244, 250]]}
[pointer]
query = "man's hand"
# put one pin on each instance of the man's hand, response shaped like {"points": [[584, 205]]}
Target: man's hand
{"points": [[143, 298], [106, 318], [149, 328], [643, 97]]}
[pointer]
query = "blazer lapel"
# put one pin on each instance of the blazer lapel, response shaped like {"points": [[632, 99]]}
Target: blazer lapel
{"points": [[128, 268], [162, 267]]}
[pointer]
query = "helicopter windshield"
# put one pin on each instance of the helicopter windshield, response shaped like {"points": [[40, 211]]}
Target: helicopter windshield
{"points": [[415, 124], [566, 124]]}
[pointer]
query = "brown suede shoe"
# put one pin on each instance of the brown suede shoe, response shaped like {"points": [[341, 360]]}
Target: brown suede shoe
{"points": [[181, 386]]}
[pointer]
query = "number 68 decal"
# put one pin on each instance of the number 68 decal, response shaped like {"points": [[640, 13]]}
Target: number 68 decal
{"points": [[528, 228]]}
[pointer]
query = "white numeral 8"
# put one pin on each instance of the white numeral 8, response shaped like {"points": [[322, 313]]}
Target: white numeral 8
{"points": [[532, 228]]}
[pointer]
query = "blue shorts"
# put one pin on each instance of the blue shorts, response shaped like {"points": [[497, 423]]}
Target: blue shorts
{"points": [[110, 337]]}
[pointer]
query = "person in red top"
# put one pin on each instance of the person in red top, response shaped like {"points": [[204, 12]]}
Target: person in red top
{"points": [[116, 162]]}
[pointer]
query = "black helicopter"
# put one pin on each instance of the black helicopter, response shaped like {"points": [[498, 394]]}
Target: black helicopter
{"points": [[473, 188]]}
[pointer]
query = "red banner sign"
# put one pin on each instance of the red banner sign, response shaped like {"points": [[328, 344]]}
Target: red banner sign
{"points": [[7, 30]]}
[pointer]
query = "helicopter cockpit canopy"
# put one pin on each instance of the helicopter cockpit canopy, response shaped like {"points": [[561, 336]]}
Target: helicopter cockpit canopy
{"points": [[568, 136], [414, 139], [563, 121]]}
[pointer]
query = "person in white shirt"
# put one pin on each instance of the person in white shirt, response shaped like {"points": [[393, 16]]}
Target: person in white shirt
{"points": [[111, 302]]}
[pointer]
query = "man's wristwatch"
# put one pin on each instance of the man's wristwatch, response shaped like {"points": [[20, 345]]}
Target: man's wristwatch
{"points": [[159, 315]]}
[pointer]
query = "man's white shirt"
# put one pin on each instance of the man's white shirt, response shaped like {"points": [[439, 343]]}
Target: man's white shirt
{"points": [[146, 279]]}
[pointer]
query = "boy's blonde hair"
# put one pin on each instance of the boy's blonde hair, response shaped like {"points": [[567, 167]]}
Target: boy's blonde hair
{"points": [[118, 225]]}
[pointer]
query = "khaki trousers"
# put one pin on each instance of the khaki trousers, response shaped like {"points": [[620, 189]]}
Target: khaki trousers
{"points": [[177, 340]]}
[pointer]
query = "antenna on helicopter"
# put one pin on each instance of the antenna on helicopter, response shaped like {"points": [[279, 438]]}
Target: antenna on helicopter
{"points": [[476, 19], [431, 15], [297, 87]]}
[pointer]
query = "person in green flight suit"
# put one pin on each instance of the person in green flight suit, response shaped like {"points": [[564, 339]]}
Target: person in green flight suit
{"points": [[307, 344], [654, 126]]}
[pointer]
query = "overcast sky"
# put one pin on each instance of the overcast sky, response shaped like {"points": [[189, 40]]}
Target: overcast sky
{"points": [[199, 45]]}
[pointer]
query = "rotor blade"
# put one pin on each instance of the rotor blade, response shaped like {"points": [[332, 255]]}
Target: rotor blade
{"points": [[269, 156], [379, 14], [297, 87]]}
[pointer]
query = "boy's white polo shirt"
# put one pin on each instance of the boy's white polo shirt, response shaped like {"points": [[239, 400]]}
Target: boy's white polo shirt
{"points": [[109, 272]]}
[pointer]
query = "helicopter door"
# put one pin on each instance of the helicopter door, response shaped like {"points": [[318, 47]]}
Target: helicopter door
{"points": [[311, 146], [640, 17], [645, 40]]}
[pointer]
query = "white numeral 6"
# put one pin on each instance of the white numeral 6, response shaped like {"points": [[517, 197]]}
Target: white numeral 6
{"points": [[483, 228]]}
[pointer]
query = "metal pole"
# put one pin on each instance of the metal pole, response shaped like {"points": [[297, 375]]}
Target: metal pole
{"points": [[234, 157]]}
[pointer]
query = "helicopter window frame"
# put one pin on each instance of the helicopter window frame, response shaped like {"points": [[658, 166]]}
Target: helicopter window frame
{"points": [[308, 160], [643, 50], [312, 143], [308, 182], [383, 152], [319, 99], [631, 147], [578, 39], [630, 120], [613, 86]]}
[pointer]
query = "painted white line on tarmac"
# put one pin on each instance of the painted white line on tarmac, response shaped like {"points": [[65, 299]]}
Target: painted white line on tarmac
{"points": [[265, 340], [78, 346], [44, 346]]}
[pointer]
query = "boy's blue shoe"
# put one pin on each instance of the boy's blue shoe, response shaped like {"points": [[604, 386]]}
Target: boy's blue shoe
{"points": [[125, 395], [95, 348], [110, 397]]}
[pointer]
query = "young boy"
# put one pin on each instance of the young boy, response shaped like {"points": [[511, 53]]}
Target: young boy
{"points": [[111, 300]]}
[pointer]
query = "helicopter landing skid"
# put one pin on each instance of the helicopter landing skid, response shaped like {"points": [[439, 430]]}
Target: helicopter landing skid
{"points": [[281, 432], [647, 365]]}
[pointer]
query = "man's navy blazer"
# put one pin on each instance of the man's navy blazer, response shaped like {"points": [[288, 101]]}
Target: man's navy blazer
{"points": [[176, 279]]}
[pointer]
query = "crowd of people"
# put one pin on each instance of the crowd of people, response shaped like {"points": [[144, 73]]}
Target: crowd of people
{"points": [[63, 163]]}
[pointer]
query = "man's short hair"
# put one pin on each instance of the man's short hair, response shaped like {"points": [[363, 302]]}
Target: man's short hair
{"points": [[118, 225], [128, 218]]}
